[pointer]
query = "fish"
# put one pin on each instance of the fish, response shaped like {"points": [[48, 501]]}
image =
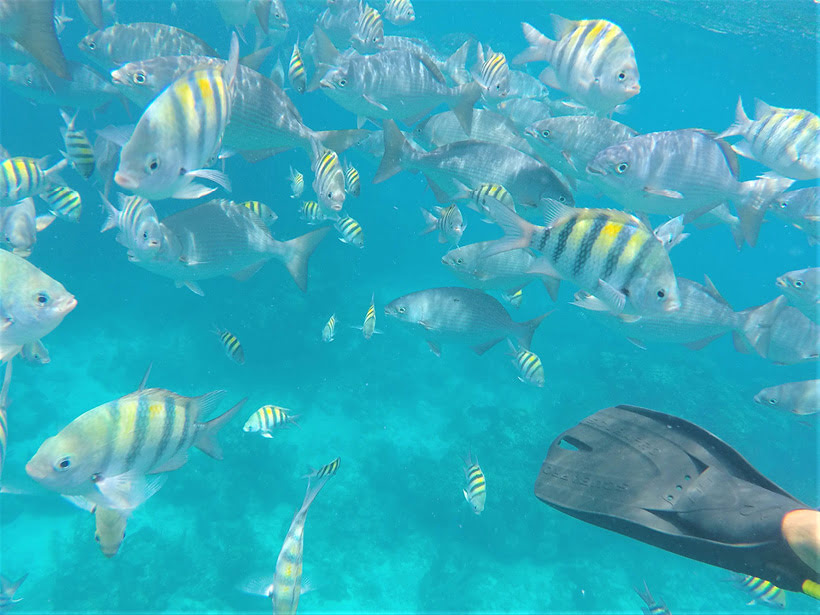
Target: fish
{"points": [[352, 182], [368, 35], [179, 135], [525, 86], [528, 364], [120, 43], [31, 24], [19, 225], [277, 15], [4, 421], [264, 121], [476, 491], [369, 325], [513, 297], [761, 591], [87, 89], [78, 149], [784, 336], [488, 126], [7, 591], [721, 215], [493, 73], [802, 289], [61, 20], [447, 221], [32, 304], [591, 60], [795, 397], [104, 454], [653, 607], [350, 231], [399, 12], [477, 196], [35, 353], [268, 418], [801, 209], [329, 178], [138, 224], [231, 345], [312, 213], [267, 215], [64, 203], [391, 84], [215, 239], [296, 71], [92, 11], [681, 171], [22, 177], [606, 252], [297, 183], [329, 330], [507, 271], [785, 140], [328, 469], [570, 143], [460, 315], [472, 163]]}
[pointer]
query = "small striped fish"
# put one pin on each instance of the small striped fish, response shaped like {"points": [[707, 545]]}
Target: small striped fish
{"points": [[296, 71], [137, 221], [22, 177], [495, 73], [268, 418], [606, 252], [145, 432], [78, 149], [260, 209], [399, 12], [4, 406], [448, 221], [329, 330], [785, 140], [513, 297], [329, 469], [368, 36], [652, 607], [592, 61], [352, 181], [476, 491], [64, 203], [233, 349], [329, 178], [350, 231], [761, 591], [312, 213], [369, 325], [477, 197], [297, 183], [530, 369]]}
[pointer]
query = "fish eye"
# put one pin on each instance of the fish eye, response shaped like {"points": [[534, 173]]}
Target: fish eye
{"points": [[562, 199], [96, 537], [459, 261], [622, 167], [545, 133], [62, 464], [139, 78], [621, 76], [772, 401], [92, 45], [152, 164], [342, 82], [783, 204], [42, 298], [798, 283], [661, 294], [330, 195]]}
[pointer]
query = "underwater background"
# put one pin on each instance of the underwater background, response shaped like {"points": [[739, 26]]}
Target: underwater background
{"points": [[391, 532]]}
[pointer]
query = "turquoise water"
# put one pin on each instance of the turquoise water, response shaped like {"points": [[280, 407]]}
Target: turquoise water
{"points": [[391, 532]]}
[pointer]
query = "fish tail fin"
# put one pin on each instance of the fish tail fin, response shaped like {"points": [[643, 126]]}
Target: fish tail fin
{"points": [[52, 172], [527, 329], [754, 330], [112, 214], [10, 588], [340, 140], [540, 49], [206, 436], [741, 124], [518, 233], [455, 65], [34, 29], [430, 220], [229, 72], [754, 200], [462, 104], [69, 121], [737, 233], [396, 149], [298, 252], [314, 487]]}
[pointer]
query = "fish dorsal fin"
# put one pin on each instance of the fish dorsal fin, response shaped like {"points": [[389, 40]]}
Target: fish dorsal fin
{"points": [[763, 109], [431, 66], [554, 211], [144, 380], [326, 52], [562, 26], [713, 292], [728, 152]]}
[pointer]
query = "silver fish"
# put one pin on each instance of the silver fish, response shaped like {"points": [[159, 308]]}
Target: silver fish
{"points": [[472, 163], [217, 239], [784, 337], [801, 209], [681, 171], [7, 591], [32, 304], [524, 85], [339, 22], [796, 397], [93, 12], [802, 289], [35, 353], [86, 89], [31, 24], [19, 225], [488, 126], [460, 315]]}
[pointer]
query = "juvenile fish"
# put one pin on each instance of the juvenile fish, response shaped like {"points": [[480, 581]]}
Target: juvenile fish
{"points": [[22, 177], [329, 330], [231, 345], [493, 74], [312, 213], [399, 12], [7, 591], [369, 325], [447, 221], [801, 209], [268, 418], [297, 183], [653, 607], [785, 140], [78, 149], [350, 231], [35, 353], [796, 397], [761, 591], [802, 289], [476, 491], [528, 364], [513, 297], [352, 181], [267, 215], [296, 71], [138, 225], [19, 225], [64, 203]]}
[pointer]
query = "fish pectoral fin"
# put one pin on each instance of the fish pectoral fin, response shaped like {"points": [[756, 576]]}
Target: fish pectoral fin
{"points": [[697, 345], [123, 492], [192, 286], [480, 349], [590, 302], [434, 347], [637, 343], [80, 502], [247, 272], [466, 495], [267, 434], [374, 102], [669, 194], [426, 325], [611, 296], [217, 177], [193, 191]]}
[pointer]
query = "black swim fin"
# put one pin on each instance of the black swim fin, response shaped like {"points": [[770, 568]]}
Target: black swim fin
{"points": [[667, 482]]}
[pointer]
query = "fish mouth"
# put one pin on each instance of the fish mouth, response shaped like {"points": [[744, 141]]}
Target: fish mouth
{"points": [[672, 305], [116, 76], [125, 181], [69, 304], [634, 89], [780, 282], [32, 471], [592, 169], [324, 83], [530, 132]]}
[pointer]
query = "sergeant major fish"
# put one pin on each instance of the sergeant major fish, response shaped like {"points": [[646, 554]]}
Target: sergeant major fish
{"points": [[329, 178], [528, 364], [368, 36], [64, 203], [22, 177], [761, 591], [297, 183], [138, 224], [329, 330], [78, 149], [350, 231], [231, 345], [447, 221], [267, 418], [399, 12], [476, 491], [369, 326], [296, 71], [653, 607]]}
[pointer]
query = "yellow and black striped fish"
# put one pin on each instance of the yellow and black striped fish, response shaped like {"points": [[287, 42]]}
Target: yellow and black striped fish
{"points": [[478, 196], [297, 183], [495, 73], [352, 182], [530, 369], [260, 209], [312, 213], [268, 418], [64, 203], [78, 149], [329, 330], [476, 491], [329, 178], [513, 297], [399, 12], [368, 36], [22, 177], [4, 406], [762, 591], [329, 469], [350, 231], [369, 326], [296, 71], [231, 345]]}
